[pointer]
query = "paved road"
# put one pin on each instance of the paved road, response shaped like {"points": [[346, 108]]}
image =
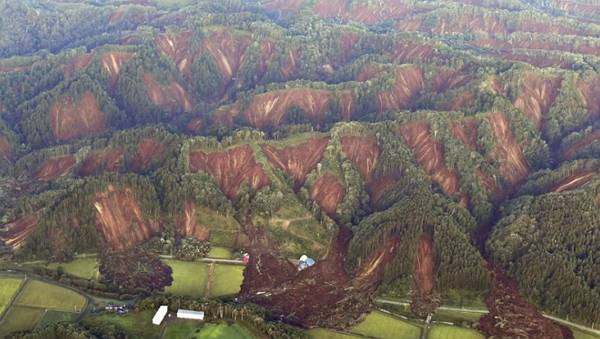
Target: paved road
{"points": [[485, 311]]}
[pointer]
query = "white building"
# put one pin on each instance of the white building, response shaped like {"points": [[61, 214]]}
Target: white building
{"points": [[160, 315], [187, 314]]}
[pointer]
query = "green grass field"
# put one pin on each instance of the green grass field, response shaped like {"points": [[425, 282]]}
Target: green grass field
{"points": [[52, 317], [227, 279], [189, 278], [47, 296], [453, 332], [321, 333], [8, 288], [137, 325], [584, 335], [20, 318], [220, 253], [383, 326], [456, 316], [223, 331], [86, 268]]}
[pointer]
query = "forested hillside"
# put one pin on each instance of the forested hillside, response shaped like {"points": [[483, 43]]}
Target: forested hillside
{"points": [[419, 150]]}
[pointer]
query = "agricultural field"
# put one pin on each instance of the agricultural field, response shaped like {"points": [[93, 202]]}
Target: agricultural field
{"points": [[456, 316], [189, 278], [86, 268], [192, 330], [452, 332], [220, 253], [20, 318], [226, 279], [321, 333], [53, 297], [8, 287], [137, 325], [383, 326]]}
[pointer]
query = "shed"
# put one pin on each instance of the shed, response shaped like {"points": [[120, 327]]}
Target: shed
{"points": [[188, 314], [160, 315]]}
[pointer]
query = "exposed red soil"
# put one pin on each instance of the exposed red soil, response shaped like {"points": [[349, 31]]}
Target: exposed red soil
{"points": [[536, 96], [466, 131], [16, 232], [430, 155], [370, 71], [458, 102], [409, 83], [513, 165], [76, 64], [361, 12], [172, 97], [188, 225], [195, 125], [322, 295], [445, 79], [408, 51], [148, 149], [364, 152], [470, 22], [423, 276], [55, 167], [487, 181], [231, 168], [120, 219], [574, 181], [112, 62], [328, 192], [291, 63], [176, 47], [271, 108], [298, 160], [591, 96], [5, 147], [511, 316], [576, 7], [117, 15], [570, 151], [284, 5], [228, 51], [540, 43], [104, 160], [71, 120]]}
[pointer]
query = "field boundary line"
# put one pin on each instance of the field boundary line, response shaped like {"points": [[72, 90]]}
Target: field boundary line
{"points": [[14, 298]]}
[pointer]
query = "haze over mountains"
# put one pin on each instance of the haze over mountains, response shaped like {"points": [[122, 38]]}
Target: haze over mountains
{"points": [[419, 149]]}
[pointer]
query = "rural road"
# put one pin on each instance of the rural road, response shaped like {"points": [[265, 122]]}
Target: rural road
{"points": [[485, 311]]}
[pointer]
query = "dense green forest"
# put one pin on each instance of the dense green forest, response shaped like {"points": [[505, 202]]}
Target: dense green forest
{"points": [[468, 130]]}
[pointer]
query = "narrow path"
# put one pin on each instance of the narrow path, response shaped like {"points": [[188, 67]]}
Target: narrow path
{"points": [[209, 280]]}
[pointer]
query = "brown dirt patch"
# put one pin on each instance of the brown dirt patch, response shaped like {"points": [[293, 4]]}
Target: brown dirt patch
{"points": [[5, 147], [423, 276], [120, 220], [298, 160], [407, 51], [445, 79], [172, 97], [112, 62], [409, 83], [511, 316], [347, 42], [176, 47], [148, 149], [16, 232], [328, 192], [465, 130], [188, 224], [228, 51], [591, 96], [363, 152], [291, 63], [570, 151], [430, 155], [369, 72], [458, 102], [574, 181], [231, 168], [104, 160], [55, 167], [71, 120], [117, 15], [361, 12], [513, 165], [284, 5], [335, 298], [536, 96], [487, 181], [76, 64]]}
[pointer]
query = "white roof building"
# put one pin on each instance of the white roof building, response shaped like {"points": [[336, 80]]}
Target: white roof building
{"points": [[160, 315], [187, 314]]}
